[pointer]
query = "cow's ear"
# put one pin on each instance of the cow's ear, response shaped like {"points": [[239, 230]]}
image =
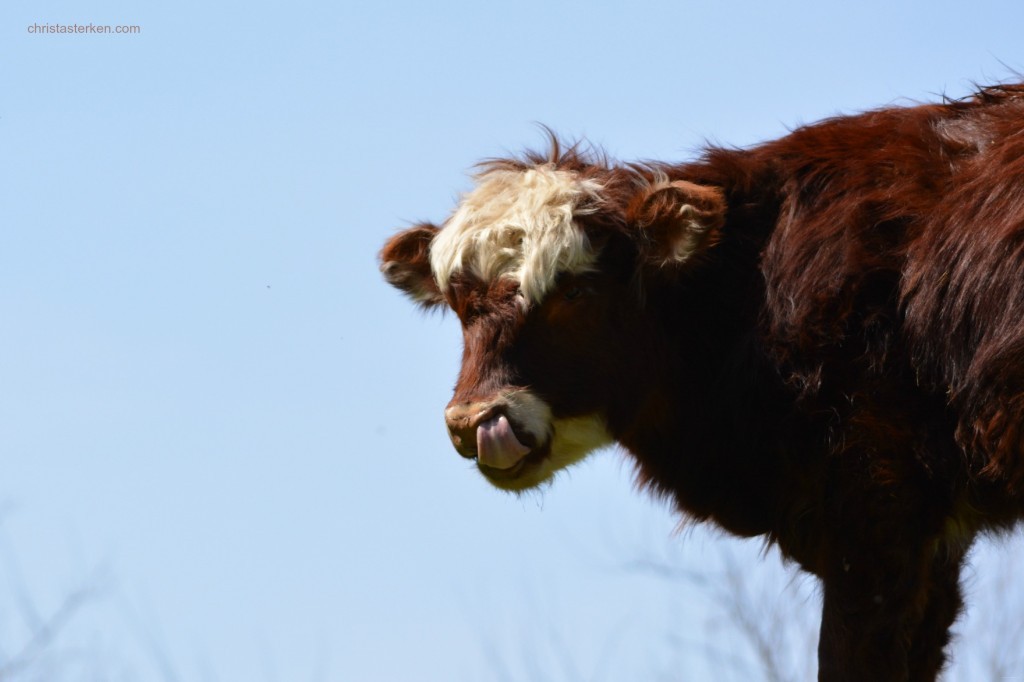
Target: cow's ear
{"points": [[676, 221], [405, 263]]}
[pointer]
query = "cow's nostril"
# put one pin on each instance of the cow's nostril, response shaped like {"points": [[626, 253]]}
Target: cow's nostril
{"points": [[462, 422], [464, 441]]}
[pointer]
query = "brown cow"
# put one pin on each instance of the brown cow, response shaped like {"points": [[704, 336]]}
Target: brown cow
{"points": [[819, 340]]}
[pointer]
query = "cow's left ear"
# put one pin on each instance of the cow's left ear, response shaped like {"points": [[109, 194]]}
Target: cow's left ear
{"points": [[405, 264], [676, 220]]}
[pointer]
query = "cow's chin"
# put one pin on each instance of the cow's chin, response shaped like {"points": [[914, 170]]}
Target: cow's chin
{"points": [[571, 440]]}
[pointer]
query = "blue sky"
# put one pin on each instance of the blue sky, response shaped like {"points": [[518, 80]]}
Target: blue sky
{"points": [[211, 404]]}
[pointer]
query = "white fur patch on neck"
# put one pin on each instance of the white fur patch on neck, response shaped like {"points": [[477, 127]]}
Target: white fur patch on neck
{"points": [[518, 224]]}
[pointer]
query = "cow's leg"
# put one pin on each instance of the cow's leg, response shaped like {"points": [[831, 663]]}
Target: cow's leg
{"points": [[890, 620], [927, 647], [882, 525], [872, 605]]}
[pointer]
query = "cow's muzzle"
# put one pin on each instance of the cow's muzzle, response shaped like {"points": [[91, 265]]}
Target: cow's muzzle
{"points": [[483, 431], [516, 441]]}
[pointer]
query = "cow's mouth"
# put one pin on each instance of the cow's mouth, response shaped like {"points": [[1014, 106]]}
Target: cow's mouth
{"points": [[528, 472], [498, 446], [515, 440], [508, 456]]}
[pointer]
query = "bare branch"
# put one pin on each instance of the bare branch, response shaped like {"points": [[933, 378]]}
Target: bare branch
{"points": [[45, 634]]}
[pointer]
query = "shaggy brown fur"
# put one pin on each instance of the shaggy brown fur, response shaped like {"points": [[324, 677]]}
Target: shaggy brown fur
{"points": [[819, 340]]}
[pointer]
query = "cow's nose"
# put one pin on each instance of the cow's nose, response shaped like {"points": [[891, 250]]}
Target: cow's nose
{"points": [[462, 420]]}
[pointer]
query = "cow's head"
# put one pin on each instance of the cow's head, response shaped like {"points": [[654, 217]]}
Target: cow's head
{"points": [[540, 261]]}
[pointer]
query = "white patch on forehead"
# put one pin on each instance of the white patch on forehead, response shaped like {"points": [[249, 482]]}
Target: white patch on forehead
{"points": [[518, 224]]}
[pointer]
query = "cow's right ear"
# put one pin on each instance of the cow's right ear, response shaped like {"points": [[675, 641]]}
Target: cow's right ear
{"points": [[405, 263], [676, 221]]}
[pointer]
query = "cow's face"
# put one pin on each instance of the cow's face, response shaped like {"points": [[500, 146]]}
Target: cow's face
{"points": [[540, 263]]}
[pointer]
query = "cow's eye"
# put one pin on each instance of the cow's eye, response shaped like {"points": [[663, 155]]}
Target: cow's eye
{"points": [[574, 293]]}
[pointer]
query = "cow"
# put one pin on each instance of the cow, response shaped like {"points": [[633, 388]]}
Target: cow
{"points": [[818, 340]]}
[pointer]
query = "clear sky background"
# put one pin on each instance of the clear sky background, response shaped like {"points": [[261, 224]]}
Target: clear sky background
{"points": [[214, 411]]}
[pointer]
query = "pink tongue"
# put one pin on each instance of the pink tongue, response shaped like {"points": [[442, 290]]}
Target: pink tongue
{"points": [[497, 445]]}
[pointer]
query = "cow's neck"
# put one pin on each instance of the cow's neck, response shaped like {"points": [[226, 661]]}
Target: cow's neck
{"points": [[697, 423]]}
